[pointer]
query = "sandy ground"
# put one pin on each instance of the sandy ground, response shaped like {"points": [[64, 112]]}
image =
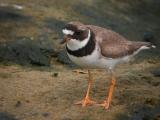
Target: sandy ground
{"points": [[48, 94]]}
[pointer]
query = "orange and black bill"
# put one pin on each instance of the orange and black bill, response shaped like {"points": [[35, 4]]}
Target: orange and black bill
{"points": [[65, 40]]}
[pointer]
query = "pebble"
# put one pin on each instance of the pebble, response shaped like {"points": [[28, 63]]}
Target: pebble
{"points": [[45, 114], [55, 74], [18, 104]]}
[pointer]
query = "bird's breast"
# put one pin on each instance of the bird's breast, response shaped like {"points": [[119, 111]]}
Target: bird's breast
{"points": [[86, 61]]}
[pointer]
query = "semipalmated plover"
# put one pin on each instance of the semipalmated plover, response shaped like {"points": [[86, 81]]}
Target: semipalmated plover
{"points": [[91, 46]]}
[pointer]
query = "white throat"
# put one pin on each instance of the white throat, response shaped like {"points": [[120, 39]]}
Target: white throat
{"points": [[74, 44]]}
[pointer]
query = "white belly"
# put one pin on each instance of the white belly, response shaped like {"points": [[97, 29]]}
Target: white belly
{"points": [[89, 61], [95, 60]]}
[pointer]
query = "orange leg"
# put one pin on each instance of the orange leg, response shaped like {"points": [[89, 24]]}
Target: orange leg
{"points": [[87, 101], [108, 99]]}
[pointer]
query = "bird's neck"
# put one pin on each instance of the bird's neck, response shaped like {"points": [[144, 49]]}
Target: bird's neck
{"points": [[74, 44], [85, 49]]}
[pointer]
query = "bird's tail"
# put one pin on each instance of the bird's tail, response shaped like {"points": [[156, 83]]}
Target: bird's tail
{"points": [[150, 45], [146, 44]]}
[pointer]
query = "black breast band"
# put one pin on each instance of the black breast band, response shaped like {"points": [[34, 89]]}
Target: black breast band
{"points": [[84, 51]]}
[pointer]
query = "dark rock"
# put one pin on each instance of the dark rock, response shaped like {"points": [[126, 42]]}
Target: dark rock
{"points": [[156, 72], [145, 113], [148, 36], [12, 14], [63, 58], [45, 45], [25, 51], [6, 116]]}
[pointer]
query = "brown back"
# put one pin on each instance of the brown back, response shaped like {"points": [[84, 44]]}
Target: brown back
{"points": [[112, 44]]}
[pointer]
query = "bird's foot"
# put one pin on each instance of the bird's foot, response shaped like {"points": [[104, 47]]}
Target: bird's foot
{"points": [[105, 104], [86, 101]]}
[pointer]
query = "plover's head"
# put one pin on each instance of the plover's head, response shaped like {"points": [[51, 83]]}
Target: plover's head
{"points": [[76, 35]]}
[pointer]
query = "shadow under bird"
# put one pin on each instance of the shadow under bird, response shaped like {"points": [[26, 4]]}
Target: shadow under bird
{"points": [[94, 47]]}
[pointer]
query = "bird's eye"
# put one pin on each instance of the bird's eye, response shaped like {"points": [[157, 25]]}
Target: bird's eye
{"points": [[78, 32]]}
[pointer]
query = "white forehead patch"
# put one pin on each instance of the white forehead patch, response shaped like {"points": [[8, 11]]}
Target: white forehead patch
{"points": [[67, 32]]}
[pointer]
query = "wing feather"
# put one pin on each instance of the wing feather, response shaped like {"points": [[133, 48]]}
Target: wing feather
{"points": [[113, 45]]}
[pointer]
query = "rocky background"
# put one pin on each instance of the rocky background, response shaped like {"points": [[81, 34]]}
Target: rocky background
{"points": [[36, 78]]}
